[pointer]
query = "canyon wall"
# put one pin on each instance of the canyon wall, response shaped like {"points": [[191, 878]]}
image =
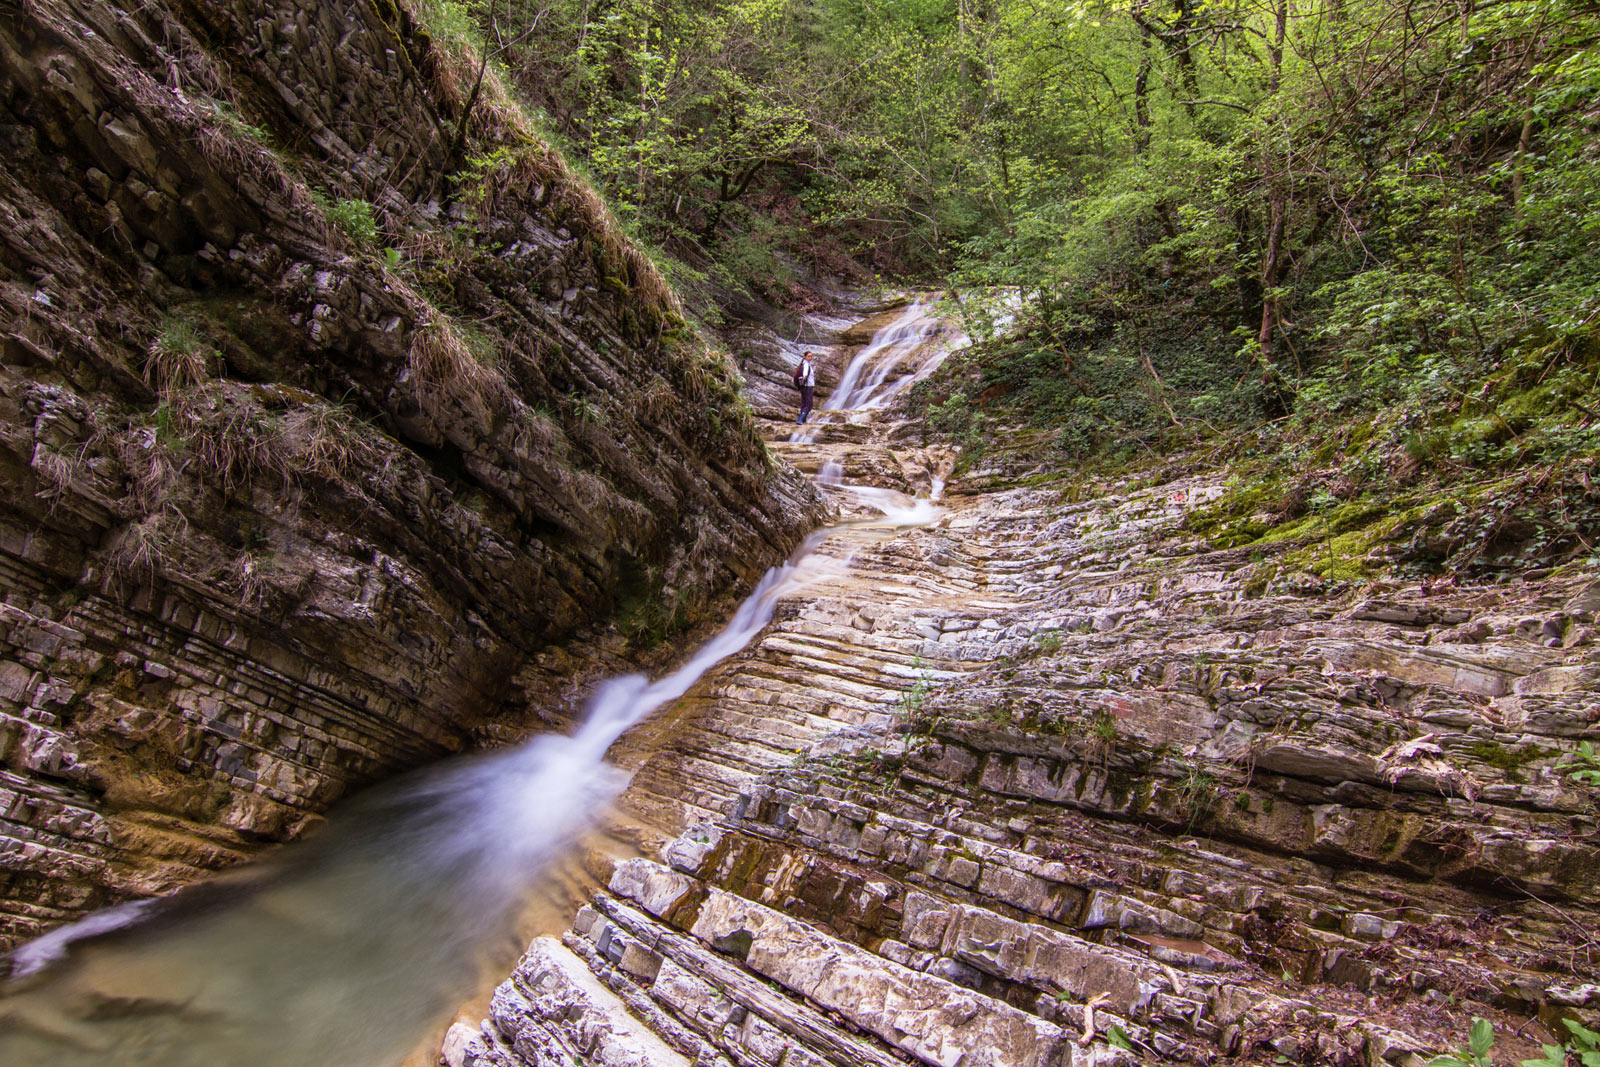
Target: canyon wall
{"points": [[331, 404]]}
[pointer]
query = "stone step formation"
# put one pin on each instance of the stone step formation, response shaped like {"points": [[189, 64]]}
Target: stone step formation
{"points": [[1050, 781]]}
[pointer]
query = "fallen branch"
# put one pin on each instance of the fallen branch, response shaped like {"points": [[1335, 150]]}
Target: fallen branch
{"points": [[1161, 387]]}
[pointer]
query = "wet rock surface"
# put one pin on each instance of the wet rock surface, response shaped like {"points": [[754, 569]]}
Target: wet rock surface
{"points": [[317, 442], [1051, 780]]}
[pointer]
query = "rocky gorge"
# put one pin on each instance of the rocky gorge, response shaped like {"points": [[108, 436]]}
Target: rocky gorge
{"points": [[319, 440], [343, 429], [1052, 780]]}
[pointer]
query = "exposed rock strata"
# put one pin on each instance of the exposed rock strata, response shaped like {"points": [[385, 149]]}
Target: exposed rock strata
{"points": [[288, 510], [1052, 767]]}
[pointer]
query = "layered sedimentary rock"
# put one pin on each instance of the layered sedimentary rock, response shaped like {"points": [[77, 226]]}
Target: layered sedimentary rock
{"points": [[329, 404], [1052, 780]]}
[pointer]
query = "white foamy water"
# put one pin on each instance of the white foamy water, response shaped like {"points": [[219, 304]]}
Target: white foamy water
{"points": [[350, 947], [862, 384], [898, 509], [898, 356]]}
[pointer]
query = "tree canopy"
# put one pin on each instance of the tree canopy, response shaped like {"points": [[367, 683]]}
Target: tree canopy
{"points": [[1351, 203]]}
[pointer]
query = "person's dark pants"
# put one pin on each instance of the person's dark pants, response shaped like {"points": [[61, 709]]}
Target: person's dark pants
{"points": [[807, 392]]}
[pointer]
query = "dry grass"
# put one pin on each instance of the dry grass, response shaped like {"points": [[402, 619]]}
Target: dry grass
{"points": [[444, 373], [328, 442], [148, 460], [696, 377], [55, 468], [587, 490], [234, 444], [656, 400], [644, 281], [247, 579], [234, 149], [141, 551], [537, 433], [177, 359], [522, 159], [222, 435], [453, 66]]}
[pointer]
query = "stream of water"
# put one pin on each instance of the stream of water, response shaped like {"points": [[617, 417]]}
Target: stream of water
{"points": [[350, 947], [345, 948]]}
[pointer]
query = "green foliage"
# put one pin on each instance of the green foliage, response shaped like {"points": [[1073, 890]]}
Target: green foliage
{"points": [[1104, 726], [486, 351], [1583, 764], [958, 417], [179, 357], [1582, 1043], [1117, 1037], [165, 423], [227, 116], [1479, 1041], [1197, 789], [916, 695], [355, 218], [1372, 214], [584, 409]]}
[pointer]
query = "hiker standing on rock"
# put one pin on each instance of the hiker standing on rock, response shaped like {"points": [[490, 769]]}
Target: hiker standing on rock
{"points": [[805, 380]]}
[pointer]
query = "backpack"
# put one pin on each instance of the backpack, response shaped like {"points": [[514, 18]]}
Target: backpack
{"points": [[799, 375]]}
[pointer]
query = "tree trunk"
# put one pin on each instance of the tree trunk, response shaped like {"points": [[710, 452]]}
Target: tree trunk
{"points": [[1181, 43], [1275, 49], [1277, 199], [1249, 285], [1518, 177], [1278, 177], [1141, 92]]}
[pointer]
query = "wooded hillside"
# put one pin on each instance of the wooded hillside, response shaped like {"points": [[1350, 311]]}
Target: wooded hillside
{"points": [[1377, 217]]}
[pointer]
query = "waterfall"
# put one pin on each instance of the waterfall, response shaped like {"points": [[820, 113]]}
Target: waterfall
{"points": [[898, 339], [347, 948], [871, 381]]}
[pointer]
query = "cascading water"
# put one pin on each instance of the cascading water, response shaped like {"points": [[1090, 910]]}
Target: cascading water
{"points": [[870, 381], [888, 349], [346, 949], [350, 947]]}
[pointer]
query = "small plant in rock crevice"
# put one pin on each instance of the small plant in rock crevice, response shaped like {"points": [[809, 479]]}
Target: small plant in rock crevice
{"points": [[178, 358], [584, 409], [1197, 789], [1582, 765], [1583, 1043], [355, 218], [913, 698], [1479, 1041]]}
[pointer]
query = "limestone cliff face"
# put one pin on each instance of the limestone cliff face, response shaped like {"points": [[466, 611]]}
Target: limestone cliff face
{"points": [[328, 398]]}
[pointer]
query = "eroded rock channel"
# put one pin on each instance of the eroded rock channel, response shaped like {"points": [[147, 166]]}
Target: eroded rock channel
{"points": [[1047, 780], [289, 511], [330, 452]]}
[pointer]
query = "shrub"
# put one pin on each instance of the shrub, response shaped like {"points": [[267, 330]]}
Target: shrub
{"points": [[355, 218]]}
